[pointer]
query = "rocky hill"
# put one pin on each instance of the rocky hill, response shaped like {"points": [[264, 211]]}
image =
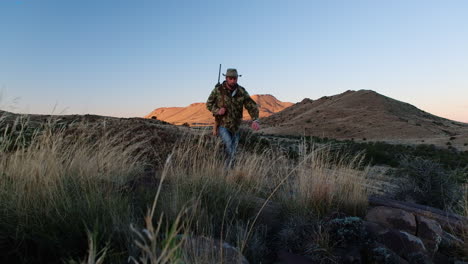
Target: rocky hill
{"points": [[197, 114], [365, 115]]}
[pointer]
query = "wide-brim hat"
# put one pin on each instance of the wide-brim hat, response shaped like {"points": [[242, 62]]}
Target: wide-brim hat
{"points": [[231, 73]]}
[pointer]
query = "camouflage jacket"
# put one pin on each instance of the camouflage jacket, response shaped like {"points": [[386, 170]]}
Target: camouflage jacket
{"points": [[235, 102]]}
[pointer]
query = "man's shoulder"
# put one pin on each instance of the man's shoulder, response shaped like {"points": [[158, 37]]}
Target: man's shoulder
{"points": [[242, 90], [216, 88]]}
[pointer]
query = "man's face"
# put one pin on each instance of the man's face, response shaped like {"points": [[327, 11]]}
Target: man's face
{"points": [[231, 81]]}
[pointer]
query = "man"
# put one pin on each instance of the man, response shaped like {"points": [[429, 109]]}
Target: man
{"points": [[226, 102]]}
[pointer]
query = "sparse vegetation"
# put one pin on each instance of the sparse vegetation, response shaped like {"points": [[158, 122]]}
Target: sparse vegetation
{"points": [[464, 231], [381, 153], [428, 183], [62, 183]]}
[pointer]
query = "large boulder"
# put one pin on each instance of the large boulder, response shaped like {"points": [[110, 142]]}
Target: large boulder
{"points": [[450, 245], [393, 218], [430, 232], [379, 254], [374, 230], [405, 245]]}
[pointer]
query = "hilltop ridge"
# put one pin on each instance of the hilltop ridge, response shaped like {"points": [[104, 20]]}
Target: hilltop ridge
{"points": [[364, 115], [197, 114]]}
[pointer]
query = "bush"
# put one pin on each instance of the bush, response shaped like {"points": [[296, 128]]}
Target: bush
{"points": [[428, 183]]}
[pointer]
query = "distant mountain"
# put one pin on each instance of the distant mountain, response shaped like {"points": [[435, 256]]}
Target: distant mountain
{"points": [[363, 114], [197, 114]]}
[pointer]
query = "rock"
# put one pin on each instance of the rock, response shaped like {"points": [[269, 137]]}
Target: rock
{"points": [[209, 250], [393, 218], [379, 254], [374, 230], [430, 232], [447, 220], [450, 244], [405, 245]]}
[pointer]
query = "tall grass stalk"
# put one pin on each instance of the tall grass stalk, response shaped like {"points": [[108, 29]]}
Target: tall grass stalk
{"points": [[95, 256], [57, 185], [464, 233]]}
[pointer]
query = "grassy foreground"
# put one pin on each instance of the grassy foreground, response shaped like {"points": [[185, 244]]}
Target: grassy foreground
{"points": [[77, 198]]}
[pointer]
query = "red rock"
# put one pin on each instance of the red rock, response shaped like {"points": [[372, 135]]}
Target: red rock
{"points": [[430, 232], [393, 218], [405, 245]]}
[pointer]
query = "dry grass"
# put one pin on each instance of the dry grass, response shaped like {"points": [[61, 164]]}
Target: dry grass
{"points": [[220, 199], [324, 180], [55, 185], [464, 231]]}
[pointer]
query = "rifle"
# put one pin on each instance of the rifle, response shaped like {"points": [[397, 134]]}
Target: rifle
{"points": [[217, 117], [219, 73]]}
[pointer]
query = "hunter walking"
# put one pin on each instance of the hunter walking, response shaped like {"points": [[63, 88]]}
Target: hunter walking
{"points": [[226, 102]]}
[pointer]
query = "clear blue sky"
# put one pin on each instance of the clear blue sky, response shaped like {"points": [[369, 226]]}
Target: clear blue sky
{"points": [[126, 58]]}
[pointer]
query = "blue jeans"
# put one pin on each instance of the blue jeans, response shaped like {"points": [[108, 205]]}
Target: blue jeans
{"points": [[230, 142]]}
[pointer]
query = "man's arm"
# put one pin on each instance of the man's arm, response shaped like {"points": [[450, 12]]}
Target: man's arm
{"points": [[211, 103], [251, 106]]}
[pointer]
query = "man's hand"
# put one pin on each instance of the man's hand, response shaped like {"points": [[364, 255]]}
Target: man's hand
{"points": [[255, 125], [222, 111]]}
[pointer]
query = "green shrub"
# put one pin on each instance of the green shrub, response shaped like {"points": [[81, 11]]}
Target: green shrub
{"points": [[428, 183]]}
